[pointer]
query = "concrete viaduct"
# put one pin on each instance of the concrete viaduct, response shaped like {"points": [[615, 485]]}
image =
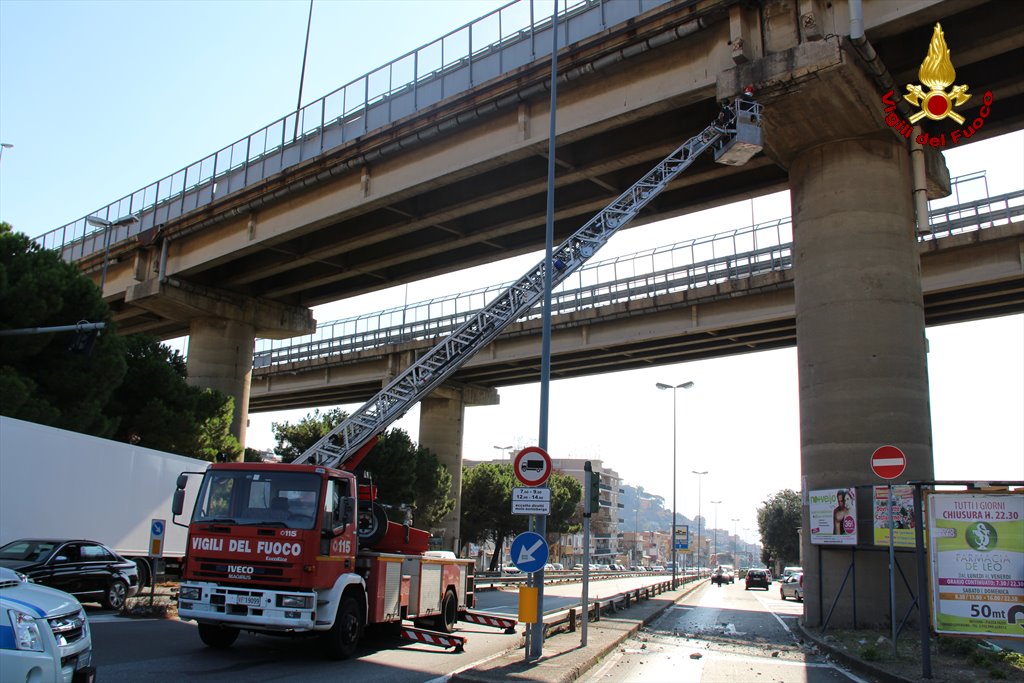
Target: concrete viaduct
{"points": [[390, 193]]}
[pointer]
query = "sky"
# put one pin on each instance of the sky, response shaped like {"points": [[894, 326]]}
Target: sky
{"points": [[100, 99]]}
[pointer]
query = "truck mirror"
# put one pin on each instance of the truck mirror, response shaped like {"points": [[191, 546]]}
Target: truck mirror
{"points": [[348, 510], [182, 480], [178, 502]]}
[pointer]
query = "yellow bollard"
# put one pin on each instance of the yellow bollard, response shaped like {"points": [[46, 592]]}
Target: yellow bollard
{"points": [[528, 604]]}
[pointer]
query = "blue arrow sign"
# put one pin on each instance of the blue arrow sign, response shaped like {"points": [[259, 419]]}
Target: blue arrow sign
{"points": [[157, 527], [529, 552]]}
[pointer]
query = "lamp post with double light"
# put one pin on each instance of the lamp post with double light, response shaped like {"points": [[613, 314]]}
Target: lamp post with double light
{"points": [[672, 542], [503, 449], [107, 225], [700, 565]]}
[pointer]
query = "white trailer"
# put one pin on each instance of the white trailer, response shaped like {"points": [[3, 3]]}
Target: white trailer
{"points": [[65, 485]]}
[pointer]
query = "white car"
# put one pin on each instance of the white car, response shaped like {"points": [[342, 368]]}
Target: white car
{"points": [[44, 633]]}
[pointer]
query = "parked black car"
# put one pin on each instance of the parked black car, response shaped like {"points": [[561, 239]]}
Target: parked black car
{"points": [[757, 578], [88, 570]]}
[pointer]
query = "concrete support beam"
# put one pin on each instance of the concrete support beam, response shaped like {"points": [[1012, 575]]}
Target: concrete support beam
{"points": [[220, 357], [441, 426], [744, 34], [177, 299]]}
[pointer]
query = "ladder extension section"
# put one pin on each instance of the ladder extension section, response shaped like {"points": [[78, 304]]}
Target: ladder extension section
{"points": [[733, 142]]}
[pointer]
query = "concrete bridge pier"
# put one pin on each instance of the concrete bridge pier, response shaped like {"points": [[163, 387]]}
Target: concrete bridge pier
{"points": [[441, 426], [220, 354], [861, 345], [860, 330], [222, 333]]}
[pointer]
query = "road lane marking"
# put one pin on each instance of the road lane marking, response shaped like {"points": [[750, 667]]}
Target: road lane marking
{"points": [[448, 676], [777, 617]]}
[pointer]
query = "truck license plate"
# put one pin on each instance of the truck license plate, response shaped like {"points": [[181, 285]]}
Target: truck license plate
{"points": [[250, 600]]}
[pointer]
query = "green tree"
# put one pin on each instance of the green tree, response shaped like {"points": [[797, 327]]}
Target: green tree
{"points": [[777, 521], [294, 439], [404, 474], [41, 378], [128, 388], [487, 506], [157, 408]]}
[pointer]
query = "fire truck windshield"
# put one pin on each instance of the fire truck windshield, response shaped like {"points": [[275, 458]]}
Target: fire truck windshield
{"points": [[282, 499]]}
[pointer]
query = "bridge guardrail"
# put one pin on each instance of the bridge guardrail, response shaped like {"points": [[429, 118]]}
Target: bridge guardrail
{"points": [[490, 580], [571, 618], [511, 36], [652, 272]]}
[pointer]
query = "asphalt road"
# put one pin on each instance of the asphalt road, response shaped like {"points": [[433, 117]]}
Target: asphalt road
{"points": [[161, 650], [720, 634]]}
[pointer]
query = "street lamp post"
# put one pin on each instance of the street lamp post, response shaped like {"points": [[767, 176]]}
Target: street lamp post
{"points": [[504, 448], [700, 476], [715, 532], [107, 225], [672, 541], [636, 535], [3, 146], [735, 540]]}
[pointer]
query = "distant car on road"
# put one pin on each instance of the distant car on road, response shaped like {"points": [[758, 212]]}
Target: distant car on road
{"points": [[793, 587], [510, 569], [86, 569], [723, 574], [787, 571], [757, 578]]}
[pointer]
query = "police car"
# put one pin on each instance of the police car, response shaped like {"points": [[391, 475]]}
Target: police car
{"points": [[44, 633]]}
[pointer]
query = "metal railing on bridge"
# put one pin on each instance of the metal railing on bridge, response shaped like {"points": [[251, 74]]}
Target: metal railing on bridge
{"points": [[508, 38], [704, 261]]}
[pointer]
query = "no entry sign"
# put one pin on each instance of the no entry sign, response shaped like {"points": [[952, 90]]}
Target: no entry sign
{"points": [[888, 462]]}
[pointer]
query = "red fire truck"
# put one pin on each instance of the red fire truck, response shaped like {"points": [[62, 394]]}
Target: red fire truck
{"points": [[305, 549], [276, 549]]}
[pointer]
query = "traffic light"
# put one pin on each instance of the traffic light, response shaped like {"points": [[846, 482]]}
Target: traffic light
{"points": [[592, 490]]}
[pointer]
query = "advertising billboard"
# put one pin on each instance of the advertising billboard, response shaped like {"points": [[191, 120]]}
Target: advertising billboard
{"points": [[976, 550], [833, 516], [903, 516]]}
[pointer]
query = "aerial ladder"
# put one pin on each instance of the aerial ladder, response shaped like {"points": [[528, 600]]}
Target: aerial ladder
{"points": [[734, 138]]}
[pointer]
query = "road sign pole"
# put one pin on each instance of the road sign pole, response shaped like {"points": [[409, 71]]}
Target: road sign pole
{"points": [[585, 598], [536, 644], [892, 571]]}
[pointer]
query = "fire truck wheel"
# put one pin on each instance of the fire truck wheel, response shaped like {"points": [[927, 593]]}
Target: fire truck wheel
{"points": [[343, 638], [220, 637], [372, 526], [449, 613]]}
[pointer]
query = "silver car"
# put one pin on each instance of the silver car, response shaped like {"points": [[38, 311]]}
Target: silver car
{"points": [[793, 587]]}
